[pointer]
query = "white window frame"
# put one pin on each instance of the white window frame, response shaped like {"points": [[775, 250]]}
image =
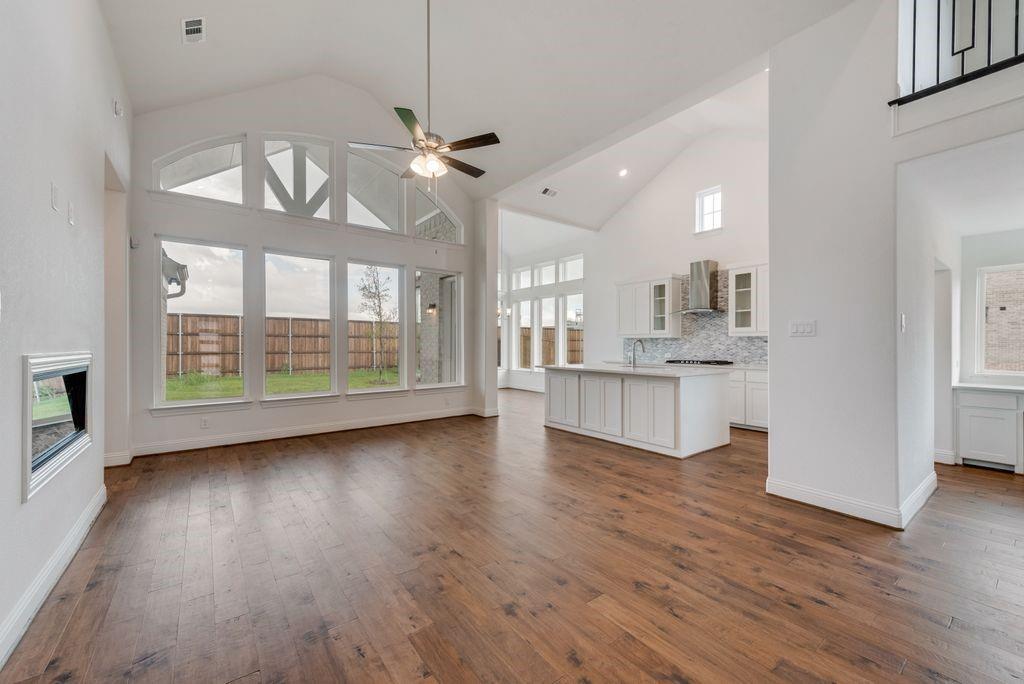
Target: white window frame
{"points": [[332, 180], [560, 273], [403, 193], [563, 324], [538, 332], [538, 269], [979, 322], [514, 285], [403, 351], [332, 284], [160, 403], [515, 349], [701, 196], [190, 149], [32, 482], [460, 328]]}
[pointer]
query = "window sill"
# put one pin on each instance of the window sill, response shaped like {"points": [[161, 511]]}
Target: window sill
{"points": [[440, 388], [377, 393], [298, 399], [194, 201], [56, 464], [370, 231], [311, 221], [438, 243], [200, 407], [708, 233]]}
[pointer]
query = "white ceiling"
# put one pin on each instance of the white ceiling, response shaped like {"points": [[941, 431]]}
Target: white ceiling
{"points": [[590, 191], [549, 77], [975, 189], [525, 235]]}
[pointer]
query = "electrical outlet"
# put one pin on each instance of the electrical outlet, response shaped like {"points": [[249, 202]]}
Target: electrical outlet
{"points": [[803, 328], [54, 197], [204, 423]]}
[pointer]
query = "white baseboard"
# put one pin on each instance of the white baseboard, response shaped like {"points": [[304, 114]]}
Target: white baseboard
{"points": [[117, 458], [486, 413], [917, 499], [14, 625], [206, 442], [883, 515], [946, 457]]}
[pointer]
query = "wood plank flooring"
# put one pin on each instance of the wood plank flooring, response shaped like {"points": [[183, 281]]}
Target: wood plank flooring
{"points": [[466, 550]]}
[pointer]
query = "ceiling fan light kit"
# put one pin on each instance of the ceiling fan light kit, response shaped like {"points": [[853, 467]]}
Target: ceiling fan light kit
{"points": [[432, 160]]}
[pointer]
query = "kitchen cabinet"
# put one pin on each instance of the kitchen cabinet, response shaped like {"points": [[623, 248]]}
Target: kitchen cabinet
{"points": [[748, 301], [737, 399], [601, 397], [748, 399], [562, 397], [650, 411], [989, 428], [645, 309]]}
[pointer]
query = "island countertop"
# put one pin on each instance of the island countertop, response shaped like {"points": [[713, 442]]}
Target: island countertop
{"points": [[666, 371]]}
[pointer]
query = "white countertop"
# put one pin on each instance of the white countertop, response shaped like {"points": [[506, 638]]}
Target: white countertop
{"points": [[662, 371], [990, 388], [733, 367]]}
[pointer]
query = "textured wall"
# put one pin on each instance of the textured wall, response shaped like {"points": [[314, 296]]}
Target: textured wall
{"points": [[1004, 321], [703, 336]]}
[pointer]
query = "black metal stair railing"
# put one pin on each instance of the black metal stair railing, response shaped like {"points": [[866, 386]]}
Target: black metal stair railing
{"points": [[982, 50]]}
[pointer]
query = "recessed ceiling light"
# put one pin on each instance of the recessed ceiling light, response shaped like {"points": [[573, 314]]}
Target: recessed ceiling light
{"points": [[767, 69], [623, 173]]}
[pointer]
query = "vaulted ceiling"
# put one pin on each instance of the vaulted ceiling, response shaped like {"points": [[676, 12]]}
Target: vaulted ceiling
{"points": [[549, 77]]}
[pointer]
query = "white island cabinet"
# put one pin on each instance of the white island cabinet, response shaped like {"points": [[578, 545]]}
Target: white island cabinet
{"points": [[673, 411]]}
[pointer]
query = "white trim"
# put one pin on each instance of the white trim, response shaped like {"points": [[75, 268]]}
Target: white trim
{"points": [[17, 621], [883, 515], [117, 458], [274, 401], [698, 228], [200, 407], [165, 160], [945, 456], [295, 431], [185, 199], [486, 413], [917, 499]]}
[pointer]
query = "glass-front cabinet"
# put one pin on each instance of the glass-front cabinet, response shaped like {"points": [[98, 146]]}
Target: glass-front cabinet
{"points": [[659, 307], [649, 308], [748, 301]]}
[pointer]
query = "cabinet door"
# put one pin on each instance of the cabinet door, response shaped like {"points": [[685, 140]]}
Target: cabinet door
{"points": [[660, 300], [661, 407], [988, 434], [743, 301], [737, 402], [761, 300], [592, 399], [757, 404], [627, 310], [642, 304], [562, 396], [637, 418], [611, 406]]}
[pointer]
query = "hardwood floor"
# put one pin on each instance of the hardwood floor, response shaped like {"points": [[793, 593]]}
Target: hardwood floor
{"points": [[494, 550]]}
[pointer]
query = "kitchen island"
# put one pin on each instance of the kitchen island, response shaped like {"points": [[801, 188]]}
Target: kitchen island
{"points": [[671, 410]]}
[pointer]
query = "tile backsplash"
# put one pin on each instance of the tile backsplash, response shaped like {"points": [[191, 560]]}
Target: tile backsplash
{"points": [[703, 336]]}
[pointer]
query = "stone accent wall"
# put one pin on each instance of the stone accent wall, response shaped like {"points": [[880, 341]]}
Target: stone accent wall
{"points": [[703, 336], [1004, 321]]}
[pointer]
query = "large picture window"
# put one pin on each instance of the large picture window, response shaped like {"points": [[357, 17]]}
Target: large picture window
{"points": [[374, 195], [1002, 320], [574, 328], [213, 172], [438, 328], [201, 331], [548, 332], [299, 326], [374, 327], [523, 332], [298, 177]]}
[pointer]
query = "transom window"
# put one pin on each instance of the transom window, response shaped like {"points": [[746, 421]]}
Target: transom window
{"points": [[298, 177], [212, 172], [432, 221], [374, 195], [1001, 320], [709, 209]]}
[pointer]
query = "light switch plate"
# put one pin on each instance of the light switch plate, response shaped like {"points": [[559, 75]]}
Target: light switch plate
{"points": [[803, 328]]}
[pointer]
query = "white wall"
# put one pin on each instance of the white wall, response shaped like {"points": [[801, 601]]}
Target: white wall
{"points": [[652, 235], [116, 286], [943, 371], [979, 251], [59, 80], [318, 106], [833, 257]]}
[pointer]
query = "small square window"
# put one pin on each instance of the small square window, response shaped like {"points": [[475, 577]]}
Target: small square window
{"points": [[522, 278], [570, 269], [709, 210], [545, 274]]}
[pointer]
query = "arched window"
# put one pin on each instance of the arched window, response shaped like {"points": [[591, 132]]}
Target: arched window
{"points": [[211, 169], [433, 220], [298, 176], [374, 194]]}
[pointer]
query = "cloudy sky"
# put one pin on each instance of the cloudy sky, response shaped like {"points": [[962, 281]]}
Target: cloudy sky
{"points": [[296, 286]]}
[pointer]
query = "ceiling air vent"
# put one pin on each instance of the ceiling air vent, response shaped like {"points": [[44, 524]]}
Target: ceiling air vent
{"points": [[193, 30], [549, 192]]}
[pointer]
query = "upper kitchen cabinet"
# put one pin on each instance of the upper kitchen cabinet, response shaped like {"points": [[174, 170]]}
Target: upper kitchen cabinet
{"points": [[645, 309], [748, 301]]}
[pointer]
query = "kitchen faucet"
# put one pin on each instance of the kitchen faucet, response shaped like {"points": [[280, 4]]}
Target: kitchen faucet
{"points": [[642, 347]]}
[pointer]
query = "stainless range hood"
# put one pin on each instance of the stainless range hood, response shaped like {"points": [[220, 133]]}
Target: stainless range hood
{"points": [[703, 288]]}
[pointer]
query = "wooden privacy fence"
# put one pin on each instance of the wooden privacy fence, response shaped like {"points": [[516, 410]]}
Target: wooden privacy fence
{"points": [[212, 345], [573, 346]]}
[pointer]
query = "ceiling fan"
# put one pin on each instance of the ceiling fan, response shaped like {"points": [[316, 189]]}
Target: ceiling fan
{"points": [[432, 159]]}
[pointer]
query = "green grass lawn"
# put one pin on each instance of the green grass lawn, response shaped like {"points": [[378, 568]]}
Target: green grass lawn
{"points": [[50, 408], [197, 386]]}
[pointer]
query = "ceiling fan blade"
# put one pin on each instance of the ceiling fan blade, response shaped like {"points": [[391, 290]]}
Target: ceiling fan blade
{"points": [[375, 146], [469, 143], [411, 122], [468, 169]]}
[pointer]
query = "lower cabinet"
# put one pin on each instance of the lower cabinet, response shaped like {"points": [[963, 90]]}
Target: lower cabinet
{"points": [[738, 401], [757, 404], [601, 399], [650, 411], [748, 398], [990, 428], [562, 398]]}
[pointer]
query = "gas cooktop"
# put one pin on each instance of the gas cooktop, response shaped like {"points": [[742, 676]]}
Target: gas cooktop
{"points": [[698, 362]]}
